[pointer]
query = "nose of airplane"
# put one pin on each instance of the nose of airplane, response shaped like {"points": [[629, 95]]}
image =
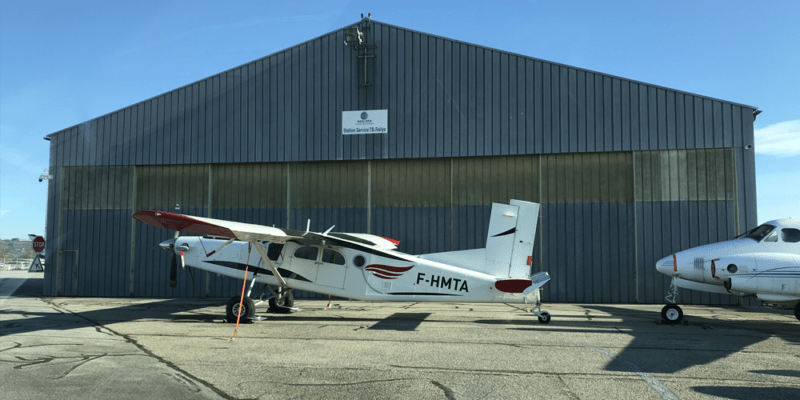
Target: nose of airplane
{"points": [[666, 265], [168, 245]]}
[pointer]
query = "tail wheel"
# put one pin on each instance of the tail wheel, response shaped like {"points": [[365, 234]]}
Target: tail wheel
{"points": [[544, 317], [248, 308], [283, 305], [672, 314]]}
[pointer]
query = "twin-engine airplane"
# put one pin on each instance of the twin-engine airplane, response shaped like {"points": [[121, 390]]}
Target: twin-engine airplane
{"points": [[360, 266], [763, 262]]}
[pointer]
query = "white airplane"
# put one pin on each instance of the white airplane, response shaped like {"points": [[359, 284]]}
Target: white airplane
{"points": [[360, 266], [763, 262]]}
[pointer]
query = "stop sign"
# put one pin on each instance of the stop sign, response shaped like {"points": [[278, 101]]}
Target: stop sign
{"points": [[38, 244]]}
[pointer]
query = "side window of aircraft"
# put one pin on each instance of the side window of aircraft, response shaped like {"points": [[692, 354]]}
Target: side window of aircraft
{"points": [[790, 235], [772, 238], [274, 251], [759, 232], [307, 253], [359, 261], [332, 257]]}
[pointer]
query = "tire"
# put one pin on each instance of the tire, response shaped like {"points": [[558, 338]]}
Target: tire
{"points": [[797, 311], [284, 305], [672, 314], [544, 317], [232, 309]]}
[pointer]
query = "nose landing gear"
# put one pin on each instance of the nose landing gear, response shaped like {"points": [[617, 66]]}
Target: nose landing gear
{"points": [[672, 313]]}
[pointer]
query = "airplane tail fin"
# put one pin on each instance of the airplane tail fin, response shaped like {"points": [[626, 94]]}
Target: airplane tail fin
{"points": [[510, 240]]}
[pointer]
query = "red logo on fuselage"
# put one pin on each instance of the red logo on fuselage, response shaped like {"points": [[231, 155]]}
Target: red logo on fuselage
{"points": [[386, 271]]}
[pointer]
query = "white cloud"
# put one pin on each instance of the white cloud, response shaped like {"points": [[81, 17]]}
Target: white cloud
{"points": [[3, 212], [781, 139]]}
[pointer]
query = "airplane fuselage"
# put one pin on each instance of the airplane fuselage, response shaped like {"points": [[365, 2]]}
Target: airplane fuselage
{"points": [[358, 274], [764, 262]]}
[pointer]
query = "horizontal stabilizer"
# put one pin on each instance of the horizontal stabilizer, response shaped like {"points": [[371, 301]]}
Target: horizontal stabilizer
{"points": [[524, 286]]}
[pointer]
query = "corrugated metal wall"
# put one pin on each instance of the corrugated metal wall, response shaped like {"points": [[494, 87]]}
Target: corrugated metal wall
{"points": [[606, 217], [468, 125]]}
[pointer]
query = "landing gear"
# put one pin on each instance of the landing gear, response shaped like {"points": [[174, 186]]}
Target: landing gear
{"points": [[282, 302], [232, 309], [797, 311], [544, 316], [672, 314]]}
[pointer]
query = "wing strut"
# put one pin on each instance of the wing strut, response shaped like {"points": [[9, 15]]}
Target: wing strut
{"points": [[269, 263]]}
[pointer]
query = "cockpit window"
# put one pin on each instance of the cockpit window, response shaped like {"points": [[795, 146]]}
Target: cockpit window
{"points": [[332, 257], [307, 253], [790, 235], [773, 237], [759, 232]]}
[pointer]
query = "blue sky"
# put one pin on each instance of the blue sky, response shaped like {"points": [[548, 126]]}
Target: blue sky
{"points": [[66, 62]]}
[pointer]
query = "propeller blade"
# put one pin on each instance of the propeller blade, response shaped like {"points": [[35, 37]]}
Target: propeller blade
{"points": [[173, 272]]}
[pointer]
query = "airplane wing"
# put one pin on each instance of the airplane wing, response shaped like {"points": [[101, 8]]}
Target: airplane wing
{"points": [[247, 232], [214, 227]]}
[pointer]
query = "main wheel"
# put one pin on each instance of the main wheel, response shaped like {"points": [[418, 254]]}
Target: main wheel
{"points": [[282, 306], [672, 314], [544, 317], [797, 311], [232, 309]]}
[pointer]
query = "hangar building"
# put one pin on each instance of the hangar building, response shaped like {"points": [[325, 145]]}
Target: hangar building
{"points": [[626, 172]]}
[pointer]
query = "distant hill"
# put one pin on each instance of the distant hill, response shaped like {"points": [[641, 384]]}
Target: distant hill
{"points": [[11, 249]]}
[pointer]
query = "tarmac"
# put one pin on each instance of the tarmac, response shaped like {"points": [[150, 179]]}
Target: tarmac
{"points": [[99, 348]]}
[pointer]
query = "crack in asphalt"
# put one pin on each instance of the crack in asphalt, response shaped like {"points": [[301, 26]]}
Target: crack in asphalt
{"points": [[149, 353]]}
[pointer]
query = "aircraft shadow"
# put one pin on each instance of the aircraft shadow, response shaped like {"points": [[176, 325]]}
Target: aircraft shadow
{"points": [[60, 318], [658, 348], [746, 393]]}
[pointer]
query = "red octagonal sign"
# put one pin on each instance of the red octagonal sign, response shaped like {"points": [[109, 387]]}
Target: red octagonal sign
{"points": [[38, 244]]}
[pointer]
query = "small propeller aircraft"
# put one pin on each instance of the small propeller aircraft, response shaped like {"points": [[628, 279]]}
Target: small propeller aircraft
{"points": [[360, 266], [763, 262]]}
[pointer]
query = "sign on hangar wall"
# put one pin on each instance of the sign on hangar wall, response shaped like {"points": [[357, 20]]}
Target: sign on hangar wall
{"points": [[365, 122]]}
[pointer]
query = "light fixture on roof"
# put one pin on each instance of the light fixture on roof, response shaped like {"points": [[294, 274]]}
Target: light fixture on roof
{"points": [[353, 35]]}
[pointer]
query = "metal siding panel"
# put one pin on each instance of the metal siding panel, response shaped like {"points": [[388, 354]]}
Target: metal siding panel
{"points": [[480, 108], [547, 101], [644, 119], [422, 86], [661, 115], [652, 117], [717, 124], [691, 136], [495, 131], [563, 111], [281, 129], [608, 115], [407, 145], [636, 133], [590, 114], [438, 133], [504, 102], [680, 121], [672, 140]]}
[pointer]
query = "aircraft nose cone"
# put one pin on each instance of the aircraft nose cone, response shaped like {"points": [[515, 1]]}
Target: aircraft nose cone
{"points": [[168, 245], [666, 265]]}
